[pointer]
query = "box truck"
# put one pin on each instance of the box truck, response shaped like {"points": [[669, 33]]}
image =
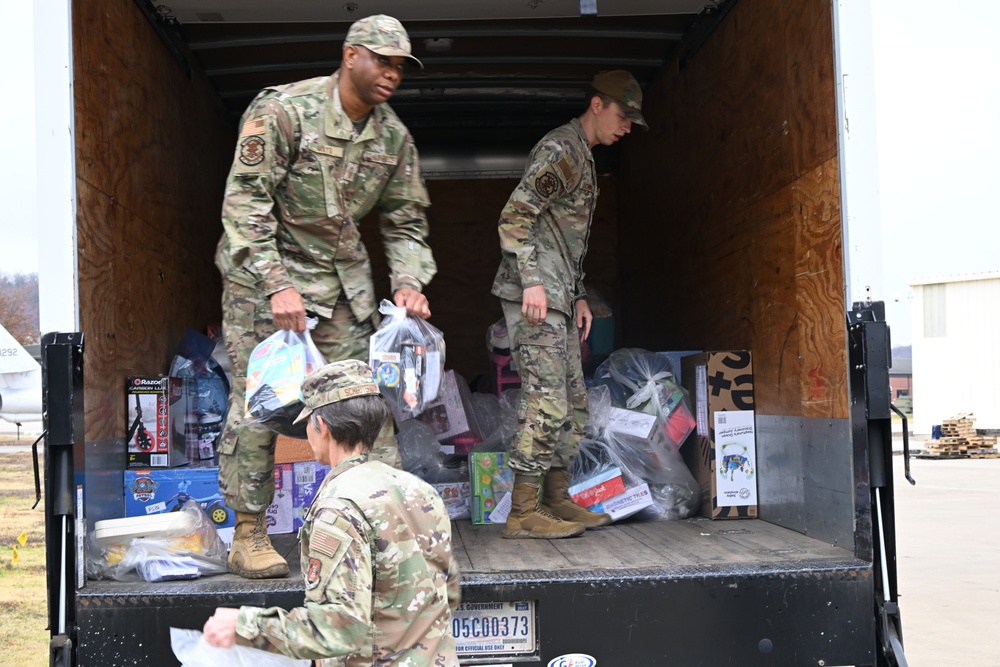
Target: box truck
{"points": [[746, 218]]}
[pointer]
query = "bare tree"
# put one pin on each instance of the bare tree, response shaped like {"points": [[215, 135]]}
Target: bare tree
{"points": [[19, 306]]}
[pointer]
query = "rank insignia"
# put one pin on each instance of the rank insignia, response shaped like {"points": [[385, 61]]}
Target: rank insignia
{"points": [[252, 151], [546, 184]]}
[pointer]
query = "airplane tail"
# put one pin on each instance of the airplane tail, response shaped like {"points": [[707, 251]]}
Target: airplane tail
{"points": [[20, 382], [13, 357]]}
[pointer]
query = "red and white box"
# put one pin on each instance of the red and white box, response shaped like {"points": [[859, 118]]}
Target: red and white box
{"points": [[162, 426], [598, 488]]}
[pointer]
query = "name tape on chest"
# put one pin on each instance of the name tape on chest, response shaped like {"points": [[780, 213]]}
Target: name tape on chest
{"points": [[380, 158], [332, 151]]}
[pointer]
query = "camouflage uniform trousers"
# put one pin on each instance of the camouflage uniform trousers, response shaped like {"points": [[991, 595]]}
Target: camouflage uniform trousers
{"points": [[246, 451], [553, 409]]}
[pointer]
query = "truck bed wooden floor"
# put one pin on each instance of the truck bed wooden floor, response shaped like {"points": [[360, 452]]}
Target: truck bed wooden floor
{"points": [[690, 547]]}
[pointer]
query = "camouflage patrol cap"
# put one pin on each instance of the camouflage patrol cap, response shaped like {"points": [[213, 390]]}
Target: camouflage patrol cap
{"points": [[336, 382], [383, 35], [622, 87]]}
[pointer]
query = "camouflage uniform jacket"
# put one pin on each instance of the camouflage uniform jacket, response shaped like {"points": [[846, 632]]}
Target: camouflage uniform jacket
{"points": [[546, 223], [298, 187], [380, 577]]}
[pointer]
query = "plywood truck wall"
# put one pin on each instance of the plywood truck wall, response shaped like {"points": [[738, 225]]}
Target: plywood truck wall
{"points": [[152, 154], [733, 197], [721, 230]]}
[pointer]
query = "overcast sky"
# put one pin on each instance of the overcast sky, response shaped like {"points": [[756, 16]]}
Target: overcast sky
{"points": [[937, 78], [18, 242], [937, 72]]}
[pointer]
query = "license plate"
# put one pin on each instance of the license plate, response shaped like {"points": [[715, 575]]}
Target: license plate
{"points": [[494, 628]]}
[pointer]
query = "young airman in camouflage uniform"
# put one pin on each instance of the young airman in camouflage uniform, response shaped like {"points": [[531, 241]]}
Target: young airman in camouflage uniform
{"points": [[312, 159], [543, 238], [380, 577]]}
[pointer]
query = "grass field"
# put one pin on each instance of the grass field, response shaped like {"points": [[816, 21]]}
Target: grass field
{"points": [[24, 639]]}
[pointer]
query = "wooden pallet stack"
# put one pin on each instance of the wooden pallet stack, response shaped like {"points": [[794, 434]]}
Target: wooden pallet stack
{"points": [[959, 440]]}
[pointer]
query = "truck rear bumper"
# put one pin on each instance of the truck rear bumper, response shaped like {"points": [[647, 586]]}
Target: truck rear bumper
{"points": [[678, 593]]}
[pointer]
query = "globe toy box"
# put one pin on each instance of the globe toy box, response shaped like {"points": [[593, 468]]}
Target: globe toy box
{"points": [[161, 490], [162, 426], [722, 453], [491, 480]]}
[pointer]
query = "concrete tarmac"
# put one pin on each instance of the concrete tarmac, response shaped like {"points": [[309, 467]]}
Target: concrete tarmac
{"points": [[948, 559]]}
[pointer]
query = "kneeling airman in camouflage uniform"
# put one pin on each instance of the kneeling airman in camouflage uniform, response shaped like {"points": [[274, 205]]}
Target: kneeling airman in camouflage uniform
{"points": [[543, 238], [380, 577]]}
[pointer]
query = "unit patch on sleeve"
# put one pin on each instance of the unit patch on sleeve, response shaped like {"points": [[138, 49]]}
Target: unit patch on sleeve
{"points": [[314, 573], [546, 183], [252, 150]]}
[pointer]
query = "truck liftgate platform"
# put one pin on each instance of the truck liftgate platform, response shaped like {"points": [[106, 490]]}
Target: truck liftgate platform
{"points": [[638, 593]]}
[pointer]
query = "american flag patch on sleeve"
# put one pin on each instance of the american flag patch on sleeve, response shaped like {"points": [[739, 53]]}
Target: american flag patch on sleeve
{"points": [[326, 542], [252, 127]]}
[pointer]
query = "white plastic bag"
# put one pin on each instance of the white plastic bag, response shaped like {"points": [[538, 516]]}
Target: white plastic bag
{"points": [[407, 357], [189, 549], [190, 647], [275, 373]]}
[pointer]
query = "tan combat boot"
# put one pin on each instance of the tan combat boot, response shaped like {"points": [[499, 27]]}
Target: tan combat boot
{"points": [[557, 502], [527, 519], [252, 556]]}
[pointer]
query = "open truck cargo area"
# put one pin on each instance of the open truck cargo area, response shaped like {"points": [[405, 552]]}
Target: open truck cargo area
{"points": [[721, 228]]}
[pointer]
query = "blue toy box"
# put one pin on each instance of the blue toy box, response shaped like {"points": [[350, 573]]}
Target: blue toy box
{"points": [[158, 490]]}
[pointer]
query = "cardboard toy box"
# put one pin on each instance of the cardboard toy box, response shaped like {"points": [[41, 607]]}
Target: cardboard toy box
{"points": [[292, 450], [600, 487], [307, 476], [158, 490], [492, 480], [280, 516], [449, 416], [625, 504], [162, 426], [457, 497], [721, 452]]}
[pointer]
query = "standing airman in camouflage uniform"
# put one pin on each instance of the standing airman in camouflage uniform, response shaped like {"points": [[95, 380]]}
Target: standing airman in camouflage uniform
{"points": [[380, 577], [544, 230], [312, 159]]}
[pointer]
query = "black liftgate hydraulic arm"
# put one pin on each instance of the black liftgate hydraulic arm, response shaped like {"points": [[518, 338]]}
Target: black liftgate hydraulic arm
{"points": [[62, 399], [871, 423]]}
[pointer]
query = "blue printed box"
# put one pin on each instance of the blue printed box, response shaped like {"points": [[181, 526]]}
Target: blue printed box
{"points": [[308, 476], [158, 490]]}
